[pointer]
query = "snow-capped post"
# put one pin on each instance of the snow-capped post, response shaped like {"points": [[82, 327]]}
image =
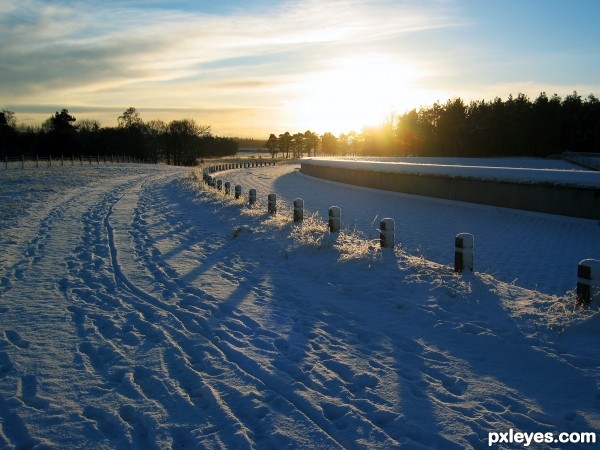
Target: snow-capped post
{"points": [[227, 188], [219, 184], [298, 210], [335, 219], [252, 197], [272, 203], [463, 252], [387, 233], [238, 191], [588, 279]]}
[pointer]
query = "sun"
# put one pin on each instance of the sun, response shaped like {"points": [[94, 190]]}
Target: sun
{"points": [[353, 93]]}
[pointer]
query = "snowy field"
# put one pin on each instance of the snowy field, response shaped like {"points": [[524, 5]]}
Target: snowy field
{"points": [[141, 310]]}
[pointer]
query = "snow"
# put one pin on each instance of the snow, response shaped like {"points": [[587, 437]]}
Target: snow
{"points": [[141, 310]]}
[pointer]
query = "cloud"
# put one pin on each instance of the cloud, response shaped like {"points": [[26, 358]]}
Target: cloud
{"points": [[163, 55]]}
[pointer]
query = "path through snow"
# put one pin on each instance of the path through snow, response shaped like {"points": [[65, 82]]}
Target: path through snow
{"points": [[139, 311]]}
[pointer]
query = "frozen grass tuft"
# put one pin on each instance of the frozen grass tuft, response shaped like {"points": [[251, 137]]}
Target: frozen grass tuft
{"points": [[311, 232], [563, 312], [353, 245]]}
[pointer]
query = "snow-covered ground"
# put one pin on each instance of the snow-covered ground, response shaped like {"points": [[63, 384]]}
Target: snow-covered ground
{"points": [[139, 310]]}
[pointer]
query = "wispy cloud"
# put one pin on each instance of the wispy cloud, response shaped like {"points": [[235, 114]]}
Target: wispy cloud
{"points": [[210, 57]]}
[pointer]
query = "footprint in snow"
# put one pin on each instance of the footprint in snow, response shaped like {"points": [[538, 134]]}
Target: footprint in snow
{"points": [[29, 387], [456, 386], [15, 339], [5, 364]]}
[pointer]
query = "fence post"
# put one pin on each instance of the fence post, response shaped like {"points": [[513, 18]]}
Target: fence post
{"points": [[335, 219], [588, 278], [62, 160], [252, 197], [50, 160], [227, 188], [298, 210], [463, 252], [238, 191], [272, 203], [387, 233]]}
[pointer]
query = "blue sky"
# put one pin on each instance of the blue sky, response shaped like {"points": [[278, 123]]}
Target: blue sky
{"points": [[250, 68]]}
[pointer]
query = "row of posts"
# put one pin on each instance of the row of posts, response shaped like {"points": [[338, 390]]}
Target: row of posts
{"points": [[106, 159], [588, 270], [237, 165]]}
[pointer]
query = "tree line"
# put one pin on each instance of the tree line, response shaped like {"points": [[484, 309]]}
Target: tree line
{"points": [[516, 126], [179, 142]]}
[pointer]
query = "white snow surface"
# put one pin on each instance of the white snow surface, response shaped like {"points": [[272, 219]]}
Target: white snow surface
{"points": [[139, 309]]}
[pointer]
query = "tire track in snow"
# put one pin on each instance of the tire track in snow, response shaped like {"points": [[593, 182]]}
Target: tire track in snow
{"points": [[278, 381], [116, 299], [173, 341], [148, 304], [260, 381]]}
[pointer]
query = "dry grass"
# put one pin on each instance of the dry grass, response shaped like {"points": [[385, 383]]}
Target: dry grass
{"points": [[310, 232]]}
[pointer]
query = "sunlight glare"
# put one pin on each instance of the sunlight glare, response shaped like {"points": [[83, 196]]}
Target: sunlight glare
{"points": [[355, 92]]}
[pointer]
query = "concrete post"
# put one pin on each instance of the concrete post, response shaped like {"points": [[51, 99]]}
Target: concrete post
{"points": [[238, 191], [463, 253], [335, 219], [227, 188], [387, 233], [219, 184], [272, 203], [252, 197], [588, 278], [298, 210]]}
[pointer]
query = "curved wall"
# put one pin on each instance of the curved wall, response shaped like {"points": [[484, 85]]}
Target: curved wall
{"points": [[552, 198]]}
